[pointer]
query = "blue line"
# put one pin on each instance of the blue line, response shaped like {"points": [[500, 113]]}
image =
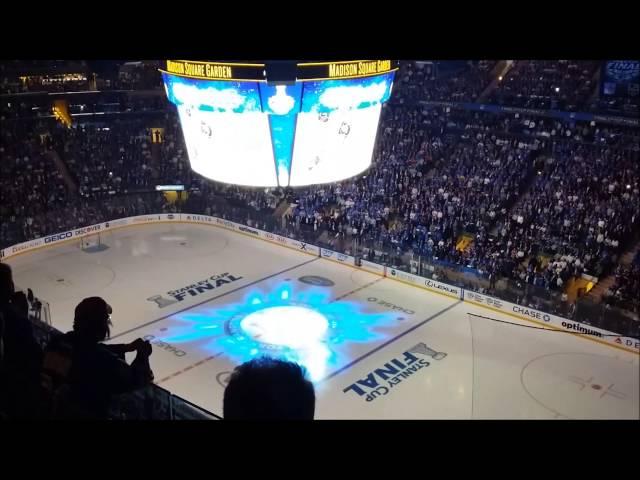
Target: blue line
{"points": [[391, 340]]}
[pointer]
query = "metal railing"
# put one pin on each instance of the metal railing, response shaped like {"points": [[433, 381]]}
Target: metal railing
{"points": [[149, 403]]}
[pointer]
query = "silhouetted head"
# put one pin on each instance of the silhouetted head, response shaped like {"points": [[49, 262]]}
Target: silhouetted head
{"points": [[92, 319], [269, 389], [6, 283]]}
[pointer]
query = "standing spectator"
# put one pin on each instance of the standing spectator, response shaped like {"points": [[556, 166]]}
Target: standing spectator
{"points": [[20, 354]]}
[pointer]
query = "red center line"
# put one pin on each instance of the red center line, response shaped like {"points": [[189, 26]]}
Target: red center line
{"points": [[357, 289], [186, 369]]}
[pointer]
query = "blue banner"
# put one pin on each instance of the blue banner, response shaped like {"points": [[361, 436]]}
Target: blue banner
{"points": [[620, 78]]}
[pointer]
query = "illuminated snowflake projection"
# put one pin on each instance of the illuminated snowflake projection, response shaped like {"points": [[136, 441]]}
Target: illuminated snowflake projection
{"points": [[305, 326]]}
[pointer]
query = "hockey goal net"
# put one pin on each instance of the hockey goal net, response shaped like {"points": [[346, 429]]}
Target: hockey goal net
{"points": [[90, 241]]}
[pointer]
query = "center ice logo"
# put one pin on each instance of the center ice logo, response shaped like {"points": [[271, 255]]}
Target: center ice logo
{"points": [[393, 372], [211, 283]]}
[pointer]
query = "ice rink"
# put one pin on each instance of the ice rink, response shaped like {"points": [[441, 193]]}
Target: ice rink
{"points": [[208, 299]]}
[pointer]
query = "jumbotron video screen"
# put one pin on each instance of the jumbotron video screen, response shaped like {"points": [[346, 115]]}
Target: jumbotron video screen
{"points": [[240, 127]]}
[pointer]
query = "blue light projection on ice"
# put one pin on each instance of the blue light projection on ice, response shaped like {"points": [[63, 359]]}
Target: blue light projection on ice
{"points": [[302, 325]]}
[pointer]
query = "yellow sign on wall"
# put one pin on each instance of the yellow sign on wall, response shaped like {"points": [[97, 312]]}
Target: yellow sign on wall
{"points": [[61, 112], [216, 70], [157, 135], [340, 70]]}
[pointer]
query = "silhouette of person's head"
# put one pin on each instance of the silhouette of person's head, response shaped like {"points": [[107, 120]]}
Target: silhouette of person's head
{"points": [[269, 389], [7, 287], [92, 320]]}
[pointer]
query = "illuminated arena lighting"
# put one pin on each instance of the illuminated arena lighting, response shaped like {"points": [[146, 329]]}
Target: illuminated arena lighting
{"points": [[243, 128], [305, 326]]}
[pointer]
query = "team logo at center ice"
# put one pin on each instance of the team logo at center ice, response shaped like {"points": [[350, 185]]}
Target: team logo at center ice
{"points": [[211, 283], [382, 380]]}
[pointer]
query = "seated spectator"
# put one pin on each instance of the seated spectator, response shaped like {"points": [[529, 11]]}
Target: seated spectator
{"points": [[427, 82], [269, 389], [624, 292], [549, 84], [20, 354], [82, 374]]}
